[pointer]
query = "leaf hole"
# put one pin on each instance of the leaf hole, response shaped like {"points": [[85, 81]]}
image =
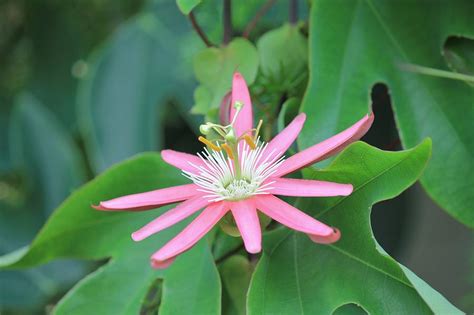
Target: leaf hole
{"points": [[389, 223], [152, 300], [350, 309]]}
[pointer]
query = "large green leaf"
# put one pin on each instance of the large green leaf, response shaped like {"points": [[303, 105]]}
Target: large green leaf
{"points": [[120, 286], [122, 99], [299, 277], [365, 43], [44, 152], [41, 147]]}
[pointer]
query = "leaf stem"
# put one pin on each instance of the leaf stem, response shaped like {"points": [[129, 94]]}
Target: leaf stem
{"points": [[436, 72], [199, 30], [227, 20], [260, 13]]}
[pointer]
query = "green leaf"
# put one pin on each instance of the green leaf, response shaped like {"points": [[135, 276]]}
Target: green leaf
{"points": [[365, 44], [120, 286], [186, 6], [43, 150], [122, 99], [282, 66], [214, 68], [300, 277]]}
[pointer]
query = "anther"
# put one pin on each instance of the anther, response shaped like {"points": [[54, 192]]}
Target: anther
{"points": [[249, 141], [228, 150], [209, 143]]}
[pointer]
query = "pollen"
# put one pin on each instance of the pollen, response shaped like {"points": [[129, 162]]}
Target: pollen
{"points": [[228, 150], [209, 143], [250, 142]]}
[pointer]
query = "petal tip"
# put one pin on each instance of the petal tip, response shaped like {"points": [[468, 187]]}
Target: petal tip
{"points": [[301, 116], [349, 190], [237, 76], [99, 207], [161, 264], [136, 237], [253, 249], [333, 237]]}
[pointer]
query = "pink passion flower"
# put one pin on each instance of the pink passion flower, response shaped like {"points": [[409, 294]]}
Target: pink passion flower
{"points": [[238, 172]]}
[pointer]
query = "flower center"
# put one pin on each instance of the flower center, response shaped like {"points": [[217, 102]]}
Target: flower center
{"points": [[220, 181]]}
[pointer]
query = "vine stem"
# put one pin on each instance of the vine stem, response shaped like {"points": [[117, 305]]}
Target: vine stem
{"points": [[227, 20], [199, 30], [260, 13], [293, 12]]}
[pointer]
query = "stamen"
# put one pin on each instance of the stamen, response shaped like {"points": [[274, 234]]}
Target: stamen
{"points": [[209, 143], [260, 122], [228, 150], [250, 142], [219, 179]]}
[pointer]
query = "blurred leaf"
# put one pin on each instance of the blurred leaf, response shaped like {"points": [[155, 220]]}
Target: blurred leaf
{"points": [[214, 68], [77, 230], [298, 276], [459, 55], [43, 150], [236, 272], [121, 100], [364, 45], [281, 66], [186, 6]]}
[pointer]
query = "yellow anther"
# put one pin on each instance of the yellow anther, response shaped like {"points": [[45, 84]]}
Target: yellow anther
{"points": [[209, 143], [228, 150], [249, 141]]}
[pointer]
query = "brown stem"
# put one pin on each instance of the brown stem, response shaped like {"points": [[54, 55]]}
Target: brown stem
{"points": [[260, 13], [293, 12], [199, 30], [227, 19]]}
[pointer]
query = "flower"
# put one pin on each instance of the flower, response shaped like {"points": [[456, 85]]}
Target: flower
{"points": [[238, 174]]}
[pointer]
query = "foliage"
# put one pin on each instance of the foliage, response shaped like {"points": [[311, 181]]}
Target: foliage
{"points": [[83, 90]]}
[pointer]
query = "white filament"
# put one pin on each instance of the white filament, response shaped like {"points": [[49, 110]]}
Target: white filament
{"points": [[218, 179]]}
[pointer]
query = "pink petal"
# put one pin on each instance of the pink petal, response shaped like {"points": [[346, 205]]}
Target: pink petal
{"points": [[293, 218], [173, 216], [245, 215], [286, 137], [183, 161], [190, 235], [224, 109], [307, 188], [240, 93], [150, 199], [328, 147]]}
